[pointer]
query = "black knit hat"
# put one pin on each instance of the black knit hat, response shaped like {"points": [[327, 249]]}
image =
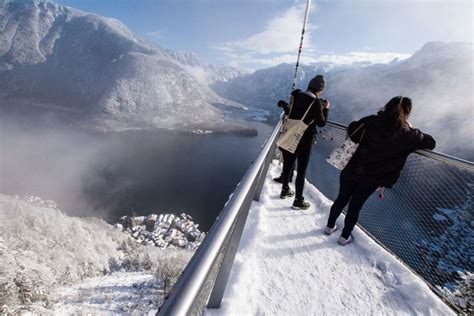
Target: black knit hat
{"points": [[317, 83]]}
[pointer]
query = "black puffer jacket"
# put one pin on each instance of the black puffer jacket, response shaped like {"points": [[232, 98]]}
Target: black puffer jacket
{"points": [[383, 150], [317, 115]]}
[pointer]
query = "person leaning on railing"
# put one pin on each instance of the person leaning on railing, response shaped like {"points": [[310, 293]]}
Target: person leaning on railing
{"points": [[386, 140]]}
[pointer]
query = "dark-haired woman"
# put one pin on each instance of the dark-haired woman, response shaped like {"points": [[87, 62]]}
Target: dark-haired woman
{"points": [[386, 140]]}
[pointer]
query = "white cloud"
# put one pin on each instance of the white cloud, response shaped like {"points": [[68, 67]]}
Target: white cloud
{"points": [[281, 34], [356, 57], [253, 61], [278, 43]]}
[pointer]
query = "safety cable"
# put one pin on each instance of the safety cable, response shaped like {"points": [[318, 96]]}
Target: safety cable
{"points": [[301, 44]]}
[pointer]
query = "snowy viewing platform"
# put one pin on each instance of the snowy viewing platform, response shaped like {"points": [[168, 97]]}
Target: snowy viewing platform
{"points": [[285, 265]]}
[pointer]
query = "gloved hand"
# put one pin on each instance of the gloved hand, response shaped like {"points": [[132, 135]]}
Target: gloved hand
{"points": [[282, 104], [325, 103]]}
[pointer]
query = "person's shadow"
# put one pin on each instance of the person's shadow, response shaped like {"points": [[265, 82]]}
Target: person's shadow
{"points": [[321, 242]]}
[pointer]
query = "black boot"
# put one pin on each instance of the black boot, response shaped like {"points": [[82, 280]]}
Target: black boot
{"points": [[300, 204], [280, 179], [286, 193]]}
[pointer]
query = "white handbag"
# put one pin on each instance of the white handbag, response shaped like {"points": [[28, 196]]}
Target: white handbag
{"points": [[339, 157], [292, 131]]}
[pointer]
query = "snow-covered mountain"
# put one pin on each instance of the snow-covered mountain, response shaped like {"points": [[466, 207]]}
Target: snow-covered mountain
{"points": [[95, 69], [264, 86], [206, 73], [438, 77]]}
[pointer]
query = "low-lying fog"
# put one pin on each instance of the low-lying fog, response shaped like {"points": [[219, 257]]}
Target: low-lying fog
{"points": [[114, 174]]}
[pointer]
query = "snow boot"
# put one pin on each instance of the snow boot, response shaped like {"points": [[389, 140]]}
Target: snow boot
{"points": [[343, 241], [286, 193], [300, 205], [280, 179], [328, 230]]}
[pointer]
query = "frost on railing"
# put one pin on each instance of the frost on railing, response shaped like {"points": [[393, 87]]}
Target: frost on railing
{"points": [[426, 219]]}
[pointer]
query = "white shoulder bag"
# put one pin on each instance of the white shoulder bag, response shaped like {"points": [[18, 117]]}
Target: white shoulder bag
{"points": [[292, 131], [339, 157]]}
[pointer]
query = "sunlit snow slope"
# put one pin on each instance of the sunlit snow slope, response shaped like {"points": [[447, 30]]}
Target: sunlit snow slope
{"points": [[94, 69], [285, 265]]}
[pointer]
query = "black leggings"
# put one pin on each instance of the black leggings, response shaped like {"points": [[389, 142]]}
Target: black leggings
{"points": [[302, 153], [352, 192]]}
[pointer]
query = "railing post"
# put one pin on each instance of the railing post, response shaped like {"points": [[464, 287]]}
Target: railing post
{"points": [[217, 293], [263, 171]]}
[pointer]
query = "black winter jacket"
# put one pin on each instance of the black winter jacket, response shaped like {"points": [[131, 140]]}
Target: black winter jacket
{"points": [[383, 150], [317, 115]]}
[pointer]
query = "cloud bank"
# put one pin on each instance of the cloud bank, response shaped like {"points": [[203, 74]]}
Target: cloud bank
{"points": [[278, 43], [281, 34]]}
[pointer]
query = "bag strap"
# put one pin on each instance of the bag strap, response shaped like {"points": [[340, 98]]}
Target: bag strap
{"points": [[357, 129], [293, 99], [309, 108], [362, 136], [313, 96], [304, 115]]}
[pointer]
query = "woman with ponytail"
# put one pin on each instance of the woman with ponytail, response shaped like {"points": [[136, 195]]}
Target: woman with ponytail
{"points": [[386, 140]]}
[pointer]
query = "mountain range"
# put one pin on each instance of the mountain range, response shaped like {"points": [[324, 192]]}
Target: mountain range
{"points": [[438, 78], [94, 69]]}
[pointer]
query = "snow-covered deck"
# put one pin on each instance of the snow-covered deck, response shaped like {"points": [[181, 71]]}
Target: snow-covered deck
{"points": [[285, 265]]}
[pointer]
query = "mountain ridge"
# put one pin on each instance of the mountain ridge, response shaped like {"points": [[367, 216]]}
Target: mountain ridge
{"points": [[60, 57], [438, 78]]}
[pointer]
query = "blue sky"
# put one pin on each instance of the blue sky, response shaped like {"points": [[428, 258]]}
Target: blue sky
{"points": [[256, 34]]}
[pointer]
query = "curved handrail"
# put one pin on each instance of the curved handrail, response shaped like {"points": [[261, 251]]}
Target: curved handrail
{"points": [[185, 299], [193, 289], [454, 161]]}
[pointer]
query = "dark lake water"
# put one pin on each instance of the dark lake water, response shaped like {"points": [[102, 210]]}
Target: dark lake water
{"points": [[132, 172]]}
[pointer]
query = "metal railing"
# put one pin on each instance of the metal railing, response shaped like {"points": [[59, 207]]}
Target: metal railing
{"points": [[424, 220], [205, 277]]}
